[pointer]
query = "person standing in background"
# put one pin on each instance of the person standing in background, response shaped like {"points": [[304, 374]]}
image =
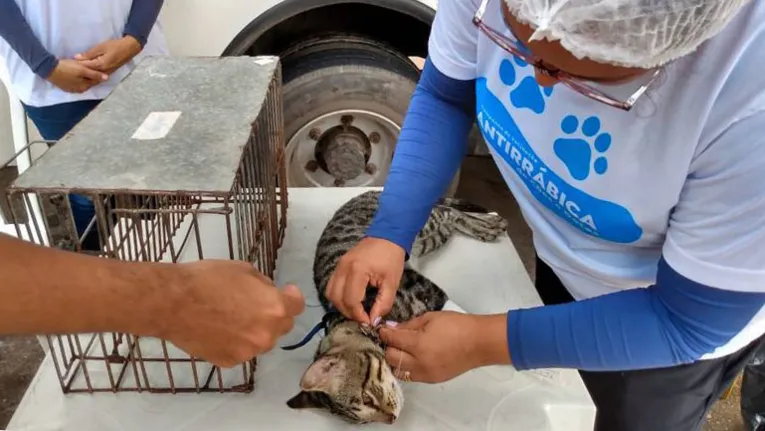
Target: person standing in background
{"points": [[65, 56]]}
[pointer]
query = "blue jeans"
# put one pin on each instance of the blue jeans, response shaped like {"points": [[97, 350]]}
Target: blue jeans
{"points": [[53, 122]]}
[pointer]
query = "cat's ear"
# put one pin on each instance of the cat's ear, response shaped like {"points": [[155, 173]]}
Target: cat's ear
{"points": [[304, 400], [324, 375]]}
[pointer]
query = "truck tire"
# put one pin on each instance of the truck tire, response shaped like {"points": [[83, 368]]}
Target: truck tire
{"points": [[345, 98]]}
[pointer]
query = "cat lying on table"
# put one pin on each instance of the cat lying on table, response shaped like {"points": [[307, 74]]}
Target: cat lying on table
{"points": [[349, 376]]}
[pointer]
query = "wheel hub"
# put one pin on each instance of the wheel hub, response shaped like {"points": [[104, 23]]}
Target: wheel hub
{"points": [[344, 148], [343, 152]]}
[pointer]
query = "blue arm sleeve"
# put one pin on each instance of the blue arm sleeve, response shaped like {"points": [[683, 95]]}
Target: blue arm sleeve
{"points": [[15, 29], [431, 146], [143, 15], [673, 322]]}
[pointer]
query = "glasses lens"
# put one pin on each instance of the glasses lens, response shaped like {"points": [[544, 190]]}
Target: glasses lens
{"points": [[587, 88]]}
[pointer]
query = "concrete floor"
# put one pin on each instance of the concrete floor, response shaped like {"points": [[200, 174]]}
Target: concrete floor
{"points": [[481, 183], [19, 359]]}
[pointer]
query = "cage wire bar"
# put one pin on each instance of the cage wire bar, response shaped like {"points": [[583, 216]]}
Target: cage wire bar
{"points": [[187, 216]]}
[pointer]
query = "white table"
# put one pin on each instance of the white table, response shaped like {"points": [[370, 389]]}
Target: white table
{"points": [[480, 278]]}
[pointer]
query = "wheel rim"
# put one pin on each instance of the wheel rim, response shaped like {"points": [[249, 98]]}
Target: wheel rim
{"points": [[344, 148]]}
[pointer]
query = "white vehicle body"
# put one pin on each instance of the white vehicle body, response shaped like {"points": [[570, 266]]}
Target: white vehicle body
{"points": [[348, 66], [387, 33], [207, 28]]}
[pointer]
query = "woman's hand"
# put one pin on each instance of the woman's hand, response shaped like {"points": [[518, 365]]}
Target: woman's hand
{"points": [[73, 77], [440, 346], [227, 312], [109, 56], [372, 261]]}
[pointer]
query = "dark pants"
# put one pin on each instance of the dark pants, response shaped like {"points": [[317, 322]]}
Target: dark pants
{"points": [[753, 392], [673, 399], [53, 122]]}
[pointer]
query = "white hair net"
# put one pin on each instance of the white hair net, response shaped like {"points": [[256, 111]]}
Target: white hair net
{"points": [[631, 33]]}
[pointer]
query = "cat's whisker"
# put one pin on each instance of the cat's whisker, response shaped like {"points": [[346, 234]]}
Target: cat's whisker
{"points": [[400, 361]]}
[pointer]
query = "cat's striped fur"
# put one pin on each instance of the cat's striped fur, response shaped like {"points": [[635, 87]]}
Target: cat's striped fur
{"points": [[349, 376]]}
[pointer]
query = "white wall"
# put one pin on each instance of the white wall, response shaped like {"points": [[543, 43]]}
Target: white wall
{"points": [[6, 134], [7, 148]]}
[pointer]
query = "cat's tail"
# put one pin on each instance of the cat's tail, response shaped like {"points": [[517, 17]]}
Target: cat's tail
{"points": [[457, 215], [475, 220], [463, 205], [483, 227]]}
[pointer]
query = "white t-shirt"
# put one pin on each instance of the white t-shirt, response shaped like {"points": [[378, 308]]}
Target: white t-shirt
{"points": [[66, 28], [607, 192]]}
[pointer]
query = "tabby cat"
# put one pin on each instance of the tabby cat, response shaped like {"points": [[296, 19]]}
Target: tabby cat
{"points": [[349, 376]]}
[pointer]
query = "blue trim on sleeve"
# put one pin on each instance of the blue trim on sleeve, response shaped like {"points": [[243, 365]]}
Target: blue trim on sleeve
{"points": [[143, 15], [15, 29], [673, 322], [431, 146]]}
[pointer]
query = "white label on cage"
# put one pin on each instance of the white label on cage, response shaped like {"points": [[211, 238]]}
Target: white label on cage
{"points": [[263, 60], [156, 125]]}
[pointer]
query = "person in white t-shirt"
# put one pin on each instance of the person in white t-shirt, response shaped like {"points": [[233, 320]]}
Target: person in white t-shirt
{"points": [[65, 56], [632, 135]]}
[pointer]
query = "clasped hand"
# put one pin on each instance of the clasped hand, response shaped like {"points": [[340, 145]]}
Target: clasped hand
{"points": [[94, 66]]}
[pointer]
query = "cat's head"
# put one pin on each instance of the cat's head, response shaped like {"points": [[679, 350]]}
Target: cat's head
{"points": [[350, 378]]}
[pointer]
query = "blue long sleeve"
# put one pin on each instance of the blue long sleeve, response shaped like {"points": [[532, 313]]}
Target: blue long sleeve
{"points": [[16, 31], [143, 15], [673, 322], [431, 146]]}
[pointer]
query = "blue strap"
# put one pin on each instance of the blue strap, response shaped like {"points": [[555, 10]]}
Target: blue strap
{"points": [[318, 327], [324, 324]]}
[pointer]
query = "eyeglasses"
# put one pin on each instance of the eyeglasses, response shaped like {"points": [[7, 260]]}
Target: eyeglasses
{"points": [[575, 83]]}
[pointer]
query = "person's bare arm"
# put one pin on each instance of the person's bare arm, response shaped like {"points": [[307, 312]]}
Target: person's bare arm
{"points": [[46, 291], [222, 311]]}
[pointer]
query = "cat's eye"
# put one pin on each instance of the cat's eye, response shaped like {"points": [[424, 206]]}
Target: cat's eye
{"points": [[367, 399]]}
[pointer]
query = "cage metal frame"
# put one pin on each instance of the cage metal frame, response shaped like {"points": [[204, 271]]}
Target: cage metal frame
{"points": [[142, 226]]}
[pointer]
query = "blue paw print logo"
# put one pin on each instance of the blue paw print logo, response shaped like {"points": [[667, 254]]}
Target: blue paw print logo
{"points": [[577, 153], [527, 94]]}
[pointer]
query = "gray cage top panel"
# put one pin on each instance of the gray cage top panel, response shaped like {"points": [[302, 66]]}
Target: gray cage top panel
{"points": [[174, 124]]}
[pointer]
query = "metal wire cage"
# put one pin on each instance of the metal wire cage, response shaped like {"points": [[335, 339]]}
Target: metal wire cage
{"points": [[183, 161]]}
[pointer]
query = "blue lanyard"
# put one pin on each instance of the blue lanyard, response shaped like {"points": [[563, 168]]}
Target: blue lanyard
{"points": [[323, 324]]}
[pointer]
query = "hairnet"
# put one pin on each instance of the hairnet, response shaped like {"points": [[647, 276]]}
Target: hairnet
{"points": [[631, 33]]}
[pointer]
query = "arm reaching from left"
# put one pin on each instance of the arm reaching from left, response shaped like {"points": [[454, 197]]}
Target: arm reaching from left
{"points": [[222, 311]]}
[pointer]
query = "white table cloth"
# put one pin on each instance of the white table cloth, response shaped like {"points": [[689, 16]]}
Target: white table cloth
{"points": [[479, 278]]}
